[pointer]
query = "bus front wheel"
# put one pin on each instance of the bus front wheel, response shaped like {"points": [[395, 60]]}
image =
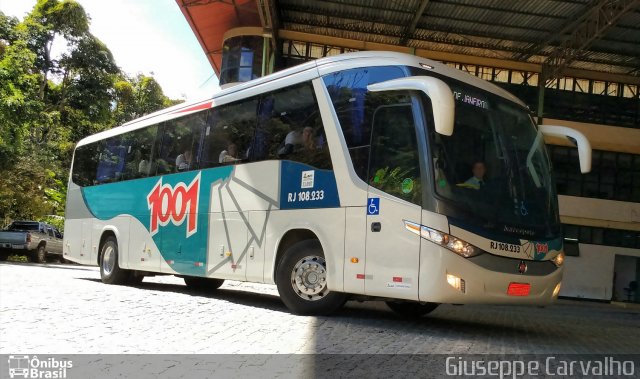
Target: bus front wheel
{"points": [[110, 271], [411, 309], [301, 278]]}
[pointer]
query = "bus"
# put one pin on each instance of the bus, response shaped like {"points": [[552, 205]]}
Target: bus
{"points": [[369, 175]]}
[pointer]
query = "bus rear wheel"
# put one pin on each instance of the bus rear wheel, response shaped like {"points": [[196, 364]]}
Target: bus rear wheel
{"points": [[110, 271], [301, 278], [411, 309], [202, 284]]}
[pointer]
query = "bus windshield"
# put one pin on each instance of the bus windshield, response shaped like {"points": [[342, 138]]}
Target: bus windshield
{"points": [[494, 169]]}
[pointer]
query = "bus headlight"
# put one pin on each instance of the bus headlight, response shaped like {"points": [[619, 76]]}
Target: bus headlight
{"points": [[559, 259], [452, 243], [462, 248]]}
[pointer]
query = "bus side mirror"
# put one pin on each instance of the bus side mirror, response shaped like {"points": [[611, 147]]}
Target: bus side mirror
{"points": [[437, 90], [577, 138]]}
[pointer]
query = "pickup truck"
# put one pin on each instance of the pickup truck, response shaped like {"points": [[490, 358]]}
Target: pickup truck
{"points": [[35, 240]]}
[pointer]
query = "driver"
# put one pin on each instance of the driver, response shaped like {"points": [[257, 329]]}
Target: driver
{"points": [[477, 180]]}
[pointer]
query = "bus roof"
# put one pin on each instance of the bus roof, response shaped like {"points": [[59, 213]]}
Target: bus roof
{"points": [[296, 74]]}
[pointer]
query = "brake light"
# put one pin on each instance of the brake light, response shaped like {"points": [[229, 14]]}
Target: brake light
{"points": [[519, 289], [28, 237]]}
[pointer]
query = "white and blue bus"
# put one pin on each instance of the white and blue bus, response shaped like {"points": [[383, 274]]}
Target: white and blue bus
{"points": [[371, 175]]}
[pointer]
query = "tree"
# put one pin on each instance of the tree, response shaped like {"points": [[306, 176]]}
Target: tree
{"points": [[50, 19], [22, 191], [7, 30], [48, 103], [18, 106], [136, 97]]}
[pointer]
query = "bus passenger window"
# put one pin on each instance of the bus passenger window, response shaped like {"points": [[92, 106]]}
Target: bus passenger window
{"points": [[138, 160], [178, 147], [112, 160], [229, 134], [85, 163], [290, 127]]}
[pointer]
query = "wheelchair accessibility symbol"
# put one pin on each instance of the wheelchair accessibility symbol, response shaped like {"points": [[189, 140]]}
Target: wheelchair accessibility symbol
{"points": [[373, 206]]}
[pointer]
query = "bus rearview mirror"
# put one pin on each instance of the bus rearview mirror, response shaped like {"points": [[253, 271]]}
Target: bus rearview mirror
{"points": [[438, 91], [577, 138]]}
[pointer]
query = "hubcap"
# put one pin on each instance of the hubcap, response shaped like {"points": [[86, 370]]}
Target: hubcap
{"points": [[108, 260], [309, 278]]}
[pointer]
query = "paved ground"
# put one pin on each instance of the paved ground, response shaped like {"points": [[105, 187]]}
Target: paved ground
{"points": [[65, 308]]}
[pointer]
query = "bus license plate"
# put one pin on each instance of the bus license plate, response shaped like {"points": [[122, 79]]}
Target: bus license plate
{"points": [[508, 247]]}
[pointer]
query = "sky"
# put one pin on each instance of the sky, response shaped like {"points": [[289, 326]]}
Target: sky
{"points": [[146, 36]]}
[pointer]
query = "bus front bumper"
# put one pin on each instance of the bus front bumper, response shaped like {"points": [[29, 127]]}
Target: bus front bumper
{"points": [[446, 277]]}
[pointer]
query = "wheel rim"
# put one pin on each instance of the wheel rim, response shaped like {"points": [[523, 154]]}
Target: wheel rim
{"points": [[309, 278], [108, 260], [42, 258]]}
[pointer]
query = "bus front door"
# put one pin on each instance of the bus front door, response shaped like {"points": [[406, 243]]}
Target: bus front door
{"points": [[392, 252]]}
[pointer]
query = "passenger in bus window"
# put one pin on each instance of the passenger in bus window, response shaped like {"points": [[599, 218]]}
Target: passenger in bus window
{"points": [[313, 151], [183, 161], [145, 168], [229, 155], [308, 139], [292, 141]]}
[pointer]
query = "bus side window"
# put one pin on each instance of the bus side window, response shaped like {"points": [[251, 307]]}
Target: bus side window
{"points": [[112, 159], [85, 163], [178, 144], [354, 106], [162, 149], [138, 160], [289, 127], [229, 134], [394, 166]]}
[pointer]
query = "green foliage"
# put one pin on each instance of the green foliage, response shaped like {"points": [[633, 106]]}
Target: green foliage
{"points": [[136, 97], [22, 191], [7, 29], [57, 221], [49, 103], [17, 100]]}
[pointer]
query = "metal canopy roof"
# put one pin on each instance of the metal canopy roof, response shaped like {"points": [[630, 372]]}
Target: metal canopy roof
{"points": [[210, 19], [596, 35]]}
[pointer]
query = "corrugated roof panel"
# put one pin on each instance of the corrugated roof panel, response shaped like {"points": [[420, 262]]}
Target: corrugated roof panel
{"points": [[492, 28]]}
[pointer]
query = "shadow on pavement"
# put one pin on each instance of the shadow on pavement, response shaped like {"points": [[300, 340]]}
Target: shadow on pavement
{"points": [[236, 296], [354, 314]]}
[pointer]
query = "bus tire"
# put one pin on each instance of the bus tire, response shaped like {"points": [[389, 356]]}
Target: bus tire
{"points": [[39, 255], [202, 284], [301, 279], [411, 309], [110, 271]]}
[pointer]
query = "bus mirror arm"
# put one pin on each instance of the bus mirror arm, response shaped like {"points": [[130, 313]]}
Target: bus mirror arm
{"points": [[584, 147], [438, 91]]}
